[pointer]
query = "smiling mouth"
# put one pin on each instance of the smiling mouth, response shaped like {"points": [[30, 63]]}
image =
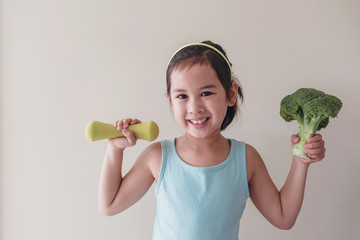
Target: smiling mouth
{"points": [[198, 122]]}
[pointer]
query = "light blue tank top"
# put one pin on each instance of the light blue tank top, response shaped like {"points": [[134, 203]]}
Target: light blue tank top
{"points": [[195, 203]]}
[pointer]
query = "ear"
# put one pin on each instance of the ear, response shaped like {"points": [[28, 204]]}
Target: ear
{"points": [[233, 94]]}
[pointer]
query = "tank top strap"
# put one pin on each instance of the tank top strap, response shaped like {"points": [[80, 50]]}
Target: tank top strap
{"points": [[241, 164], [165, 148]]}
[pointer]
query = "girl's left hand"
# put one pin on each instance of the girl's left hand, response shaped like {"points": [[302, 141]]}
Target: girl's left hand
{"points": [[314, 147]]}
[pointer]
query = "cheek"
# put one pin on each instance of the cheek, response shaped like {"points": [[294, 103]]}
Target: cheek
{"points": [[221, 108], [222, 111], [171, 102], [176, 108]]}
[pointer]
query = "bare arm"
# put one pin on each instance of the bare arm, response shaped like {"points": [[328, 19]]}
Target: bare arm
{"points": [[117, 193], [281, 208]]}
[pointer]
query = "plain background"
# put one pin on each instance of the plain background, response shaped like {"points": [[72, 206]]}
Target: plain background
{"points": [[66, 63]]}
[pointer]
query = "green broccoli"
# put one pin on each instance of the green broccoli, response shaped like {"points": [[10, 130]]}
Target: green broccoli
{"points": [[311, 108]]}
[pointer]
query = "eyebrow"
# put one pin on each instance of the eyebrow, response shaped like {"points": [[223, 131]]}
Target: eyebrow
{"points": [[202, 88]]}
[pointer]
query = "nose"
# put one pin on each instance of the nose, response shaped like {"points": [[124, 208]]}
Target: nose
{"points": [[195, 106]]}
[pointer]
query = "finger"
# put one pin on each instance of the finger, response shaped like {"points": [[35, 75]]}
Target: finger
{"points": [[316, 157], [315, 138], [119, 125], [125, 122], [135, 121], [313, 145], [316, 151]]}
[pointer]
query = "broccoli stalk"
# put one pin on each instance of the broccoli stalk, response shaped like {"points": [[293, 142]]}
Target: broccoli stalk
{"points": [[307, 130], [311, 108]]}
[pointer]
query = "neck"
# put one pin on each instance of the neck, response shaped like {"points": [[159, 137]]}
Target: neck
{"points": [[203, 143]]}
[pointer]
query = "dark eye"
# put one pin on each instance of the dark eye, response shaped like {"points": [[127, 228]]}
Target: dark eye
{"points": [[204, 94], [181, 96]]}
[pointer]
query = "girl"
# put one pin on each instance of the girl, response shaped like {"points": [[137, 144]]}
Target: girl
{"points": [[202, 178]]}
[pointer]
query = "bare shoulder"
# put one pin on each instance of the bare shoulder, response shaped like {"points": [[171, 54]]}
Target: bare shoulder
{"points": [[153, 150], [253, 161], [152, 156]]}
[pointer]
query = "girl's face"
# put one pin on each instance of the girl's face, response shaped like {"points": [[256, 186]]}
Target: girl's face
{"points": [[199, 101]]}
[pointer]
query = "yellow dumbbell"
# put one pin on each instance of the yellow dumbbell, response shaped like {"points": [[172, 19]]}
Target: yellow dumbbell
{"points": [[95, 131]]}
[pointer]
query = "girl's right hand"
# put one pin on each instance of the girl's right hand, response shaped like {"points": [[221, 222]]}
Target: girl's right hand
{"points": [[129, 139]]}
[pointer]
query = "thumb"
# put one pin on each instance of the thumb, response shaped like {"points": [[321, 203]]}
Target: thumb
{"points": [[294, 139], [129, 136]]}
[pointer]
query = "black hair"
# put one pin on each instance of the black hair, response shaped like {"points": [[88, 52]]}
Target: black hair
{"points": [[199, 54]]}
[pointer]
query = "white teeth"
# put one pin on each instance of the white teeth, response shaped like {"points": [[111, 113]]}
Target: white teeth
{"points": [[198, 122]]}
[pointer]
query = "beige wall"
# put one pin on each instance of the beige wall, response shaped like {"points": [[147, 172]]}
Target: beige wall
{"points": [[65, 63]]}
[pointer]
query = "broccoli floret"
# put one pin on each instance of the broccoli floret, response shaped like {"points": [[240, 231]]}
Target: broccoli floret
{"points": [[312, 109]]}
